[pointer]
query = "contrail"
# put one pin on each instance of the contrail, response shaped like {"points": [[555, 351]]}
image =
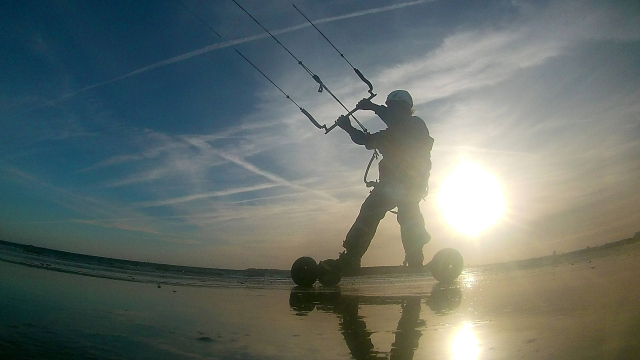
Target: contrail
{"points": [[222, 45], [207, 195], [256, 170]]}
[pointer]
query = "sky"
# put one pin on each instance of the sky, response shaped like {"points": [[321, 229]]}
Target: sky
{"points": [[131, 130]]}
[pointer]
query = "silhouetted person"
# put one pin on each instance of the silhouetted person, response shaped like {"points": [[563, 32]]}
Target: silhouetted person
{"points": [[404, 175]]}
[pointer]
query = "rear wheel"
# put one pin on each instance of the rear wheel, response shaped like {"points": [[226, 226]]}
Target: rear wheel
{"points": [[304, 271]]}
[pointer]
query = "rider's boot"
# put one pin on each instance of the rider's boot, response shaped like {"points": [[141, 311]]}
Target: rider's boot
{"points": [[348, 261], [413, 254]]}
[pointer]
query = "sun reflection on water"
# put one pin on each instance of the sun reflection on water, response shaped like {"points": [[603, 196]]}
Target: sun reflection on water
{"points": [[465, 345], [469, 281]]}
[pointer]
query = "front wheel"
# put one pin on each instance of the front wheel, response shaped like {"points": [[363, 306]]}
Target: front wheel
{"points": [[446, 265], [329, 273]]}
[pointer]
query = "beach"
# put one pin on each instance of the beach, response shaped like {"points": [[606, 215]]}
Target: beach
{"points": [[585, 309]]}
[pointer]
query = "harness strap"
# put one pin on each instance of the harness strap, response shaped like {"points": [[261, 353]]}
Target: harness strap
{"points": [[375, 182]]}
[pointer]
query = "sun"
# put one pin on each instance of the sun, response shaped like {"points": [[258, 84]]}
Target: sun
{"points": [[471, 199]]}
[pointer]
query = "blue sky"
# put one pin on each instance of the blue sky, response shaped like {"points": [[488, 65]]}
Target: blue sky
{"points": [[129, 130]]}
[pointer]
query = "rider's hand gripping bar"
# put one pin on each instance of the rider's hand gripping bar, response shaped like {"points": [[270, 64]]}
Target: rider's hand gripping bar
{"points": [[327, 129]]}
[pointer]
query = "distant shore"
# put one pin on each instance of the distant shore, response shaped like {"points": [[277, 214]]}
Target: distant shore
{"points": [[45, 253], [571, 257]]}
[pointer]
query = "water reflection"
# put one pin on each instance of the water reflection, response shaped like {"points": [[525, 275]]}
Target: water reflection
{"points": [[465, 345], [441, 300]]}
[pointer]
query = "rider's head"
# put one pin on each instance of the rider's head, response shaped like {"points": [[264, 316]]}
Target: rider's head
{"points": [[400, 100]]}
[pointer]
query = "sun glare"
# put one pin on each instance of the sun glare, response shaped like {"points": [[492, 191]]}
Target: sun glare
{"points": [[465, 345], [471, 199]]}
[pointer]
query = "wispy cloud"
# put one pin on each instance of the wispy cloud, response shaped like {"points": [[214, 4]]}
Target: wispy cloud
{"points": [[469, 61], [256, 170], [222, 45], [153, 144], [133, 225], [96, 211], [475, 59], [225, 192], [117, 224]]}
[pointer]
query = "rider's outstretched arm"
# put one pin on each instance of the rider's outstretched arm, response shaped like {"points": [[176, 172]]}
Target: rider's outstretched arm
{"points": [[358, 137]]}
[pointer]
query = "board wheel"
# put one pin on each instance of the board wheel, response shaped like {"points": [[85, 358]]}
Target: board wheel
{"points": [[304, 271], [328, 275], [446, 265]]}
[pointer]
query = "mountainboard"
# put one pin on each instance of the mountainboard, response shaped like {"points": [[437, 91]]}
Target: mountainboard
{"points": [[445, 266]]}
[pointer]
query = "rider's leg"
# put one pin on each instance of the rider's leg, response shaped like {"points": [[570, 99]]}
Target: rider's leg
{"points": [[414, 235], [364, 228]]}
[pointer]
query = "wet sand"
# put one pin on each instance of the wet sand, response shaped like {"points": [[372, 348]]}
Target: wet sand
{"points": [[588, 310]]}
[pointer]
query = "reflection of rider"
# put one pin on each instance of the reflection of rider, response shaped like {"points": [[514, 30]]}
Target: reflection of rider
{"points": [[407, 335], [404, 174], [354, 328]]}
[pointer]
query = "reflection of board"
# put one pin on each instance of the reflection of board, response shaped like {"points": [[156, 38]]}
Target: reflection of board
{"points": [[442, 299], [445, 266], [385, 270]]}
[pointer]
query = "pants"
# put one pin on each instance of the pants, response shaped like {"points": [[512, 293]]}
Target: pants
{"points": [[382, 199]]}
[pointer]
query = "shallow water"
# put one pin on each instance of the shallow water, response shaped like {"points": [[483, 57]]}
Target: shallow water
{"points": [[588, 310]]}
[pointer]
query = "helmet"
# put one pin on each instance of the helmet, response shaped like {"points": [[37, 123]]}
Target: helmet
{"points": [[400, 95]]}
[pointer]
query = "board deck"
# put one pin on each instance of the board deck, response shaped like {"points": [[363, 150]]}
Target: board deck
{"points": [[445, 266], [385, 270]]}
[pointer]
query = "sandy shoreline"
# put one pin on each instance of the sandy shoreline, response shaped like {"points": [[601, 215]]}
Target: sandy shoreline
{"points": [[587, 310], [120, 269]]}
